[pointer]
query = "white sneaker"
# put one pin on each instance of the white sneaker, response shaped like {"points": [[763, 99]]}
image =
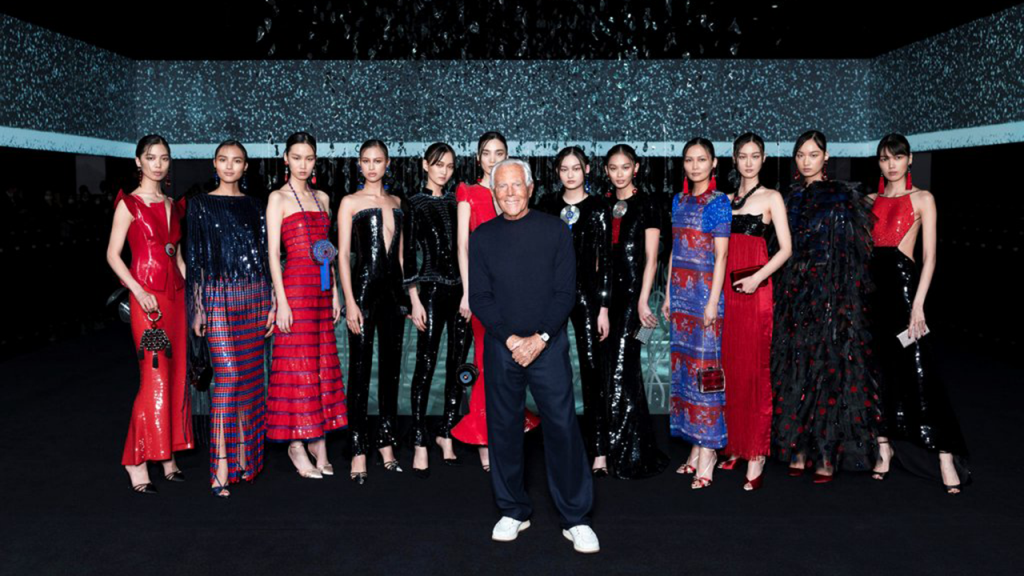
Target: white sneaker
{"points": [[507, 529], [583, 539]]}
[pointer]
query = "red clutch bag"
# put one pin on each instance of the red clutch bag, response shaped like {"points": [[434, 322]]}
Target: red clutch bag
{"points": [[711, 379], [737, 275]]}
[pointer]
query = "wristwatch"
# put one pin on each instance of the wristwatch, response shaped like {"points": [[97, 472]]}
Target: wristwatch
{"points": [[544, 336]]}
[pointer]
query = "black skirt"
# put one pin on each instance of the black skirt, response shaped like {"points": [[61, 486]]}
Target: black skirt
{"points": [[914, 399]]}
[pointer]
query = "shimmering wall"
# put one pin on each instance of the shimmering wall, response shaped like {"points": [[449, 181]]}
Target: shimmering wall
{"points": [[959, 88]]}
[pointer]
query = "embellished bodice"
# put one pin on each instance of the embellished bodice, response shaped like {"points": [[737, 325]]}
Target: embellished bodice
{"points": [[153, 242], [299, 231], [749, 224], [430, 231], [227, 238], [590, 223], [894, 218]]}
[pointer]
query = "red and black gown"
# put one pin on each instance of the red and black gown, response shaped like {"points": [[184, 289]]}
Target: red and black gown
{"points": [[229, 285], [918, 413], [161, 421], [306, 398], [825, 393], [746, 345]]}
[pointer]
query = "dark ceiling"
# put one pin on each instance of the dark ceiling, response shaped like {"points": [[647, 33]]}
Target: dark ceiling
{"points": [[499, 29]]}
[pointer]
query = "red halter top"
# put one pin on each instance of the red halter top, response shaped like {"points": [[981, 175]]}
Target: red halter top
{"points": [[895, 219]]}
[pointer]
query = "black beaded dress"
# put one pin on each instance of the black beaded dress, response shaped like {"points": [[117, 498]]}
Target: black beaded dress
{"points": [[826, 401], [632, 449], [430, 234], [590, 223]]}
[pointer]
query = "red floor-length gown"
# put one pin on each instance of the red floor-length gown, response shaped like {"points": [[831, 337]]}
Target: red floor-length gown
{"points": [[161, 421], [472, 429], [746, 345]]}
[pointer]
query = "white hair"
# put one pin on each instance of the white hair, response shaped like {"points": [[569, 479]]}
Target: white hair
{"points": [[514, 162]]}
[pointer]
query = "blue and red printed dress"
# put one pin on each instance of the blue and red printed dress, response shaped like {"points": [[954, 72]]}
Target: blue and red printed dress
{"points": [[696, 417], [229, 285]]}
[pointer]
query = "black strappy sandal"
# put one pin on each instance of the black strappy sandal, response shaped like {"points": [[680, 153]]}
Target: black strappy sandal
{"points": [[146, 488]]}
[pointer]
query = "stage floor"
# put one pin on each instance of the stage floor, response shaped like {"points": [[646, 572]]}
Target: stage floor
{"points": [[68, 508]]}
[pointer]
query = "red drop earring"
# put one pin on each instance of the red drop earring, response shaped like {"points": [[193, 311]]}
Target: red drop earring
{"points": [[686, 186], [314, 180], [286, 174], [712, 186], [881, 185], [910, 181]]}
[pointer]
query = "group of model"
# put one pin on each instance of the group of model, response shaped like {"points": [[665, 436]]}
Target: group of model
{"points": [[815, 373]]}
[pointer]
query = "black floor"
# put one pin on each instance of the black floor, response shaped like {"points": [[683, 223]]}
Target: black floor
{"points": [[67, 506]]}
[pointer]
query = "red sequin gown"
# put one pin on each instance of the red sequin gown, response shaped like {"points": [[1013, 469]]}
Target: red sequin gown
{"points": [[472, 429], [306, 398], [161, 421], [746, 345]]}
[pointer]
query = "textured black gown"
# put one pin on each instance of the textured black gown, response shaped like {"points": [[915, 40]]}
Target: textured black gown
{"points": [[825, 394], [377, 289], [430, 233], [591, 237], [632, 450]]}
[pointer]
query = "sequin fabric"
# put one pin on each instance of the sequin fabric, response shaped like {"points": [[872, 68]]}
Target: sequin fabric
{"points": [[697, 417], [161, 420], [591, 237], [306, 398], [377, 290], [229, 288], [917, 406], [895, 217], [633, 452], [431, 240]]}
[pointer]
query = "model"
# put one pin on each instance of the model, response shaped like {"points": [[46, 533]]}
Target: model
{"points": [[306, 397], [370, 262], [917, 407], [230, 305], [161, 422], [476, 205], [824, 392], [747, 326], [589, 219], [636, 229], [435, 291]]}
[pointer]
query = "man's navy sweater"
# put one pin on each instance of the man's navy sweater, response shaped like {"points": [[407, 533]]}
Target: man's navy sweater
{"points": [[522, 275]]}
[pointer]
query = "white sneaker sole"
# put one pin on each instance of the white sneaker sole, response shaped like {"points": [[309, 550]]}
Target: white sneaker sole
{"points": [[523, 526], [575, 547]]}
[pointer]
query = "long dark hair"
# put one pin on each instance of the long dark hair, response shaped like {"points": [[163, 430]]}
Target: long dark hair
{"points": [[487, 137], [743, 140], [375, 143], [435, 152], [571, 151]]}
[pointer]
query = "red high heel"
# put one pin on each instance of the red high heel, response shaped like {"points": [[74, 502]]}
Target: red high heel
{"points": [[820, 478], [754, 484], [729, 464]]}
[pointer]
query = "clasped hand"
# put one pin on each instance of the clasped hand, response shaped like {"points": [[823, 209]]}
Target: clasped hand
{"points": [[525, 350]]}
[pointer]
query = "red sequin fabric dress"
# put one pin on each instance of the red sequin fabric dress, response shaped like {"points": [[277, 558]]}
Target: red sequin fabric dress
{"points": [[161, 421], [306, 398], [746, 345], [472, 429]]}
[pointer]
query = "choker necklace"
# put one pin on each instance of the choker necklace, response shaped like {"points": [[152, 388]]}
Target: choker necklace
{"points": [[739, 201]]}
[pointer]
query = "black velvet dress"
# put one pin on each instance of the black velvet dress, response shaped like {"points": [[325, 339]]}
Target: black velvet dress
{"points": [[430, 233], [632, 449], [590, 224]]}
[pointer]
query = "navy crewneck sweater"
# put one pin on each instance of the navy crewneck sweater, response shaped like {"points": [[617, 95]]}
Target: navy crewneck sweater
{"points": [[522, 275]]}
